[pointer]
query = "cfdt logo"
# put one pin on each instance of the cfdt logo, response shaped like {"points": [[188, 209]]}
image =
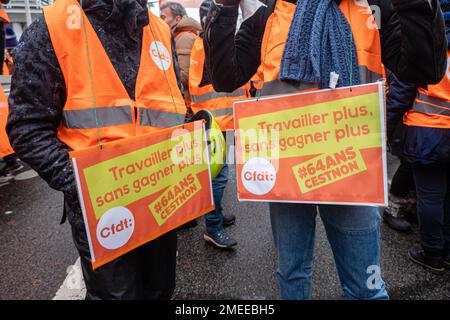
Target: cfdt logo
{"points": [[115, 228], [258, 176], [160, 55]]}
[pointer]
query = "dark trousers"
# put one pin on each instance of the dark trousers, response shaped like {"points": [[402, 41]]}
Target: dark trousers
{"points": [[403, 180], [433, 205], [146, 273]]}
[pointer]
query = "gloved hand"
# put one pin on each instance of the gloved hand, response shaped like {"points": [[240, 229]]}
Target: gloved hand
{"points": [[228, 2]]}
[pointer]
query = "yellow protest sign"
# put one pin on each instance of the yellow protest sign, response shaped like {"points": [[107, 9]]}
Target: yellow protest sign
{"points": [[329, 143], [134, 190]]}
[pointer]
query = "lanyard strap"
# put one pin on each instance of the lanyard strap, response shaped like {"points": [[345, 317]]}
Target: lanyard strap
{"points": [[91, 77]]}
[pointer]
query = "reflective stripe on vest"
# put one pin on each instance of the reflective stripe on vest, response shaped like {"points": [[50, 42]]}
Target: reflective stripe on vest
{"points": [[223, 112], [215, 95], [105, 110], [164, 118], [106, 116], [283, 87], [432, 106], [115, 116], [368, 76], [366, 36]]}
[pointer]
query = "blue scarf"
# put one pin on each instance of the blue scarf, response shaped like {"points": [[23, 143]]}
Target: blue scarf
{"points": [[320, 41]]}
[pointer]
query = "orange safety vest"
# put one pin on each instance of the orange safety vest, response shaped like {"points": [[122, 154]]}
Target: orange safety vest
{"points": [[205, 97], [98, 105], [5, 146], [367, 41], [4, 16], [432, 106]]}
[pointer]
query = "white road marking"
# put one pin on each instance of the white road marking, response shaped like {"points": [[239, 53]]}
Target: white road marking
{"points": [[73, 287], [29, 174], [5, 179]]}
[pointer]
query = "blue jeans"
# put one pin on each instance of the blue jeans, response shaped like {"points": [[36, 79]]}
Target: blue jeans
{"points": [[354, 235], [214, 219]]}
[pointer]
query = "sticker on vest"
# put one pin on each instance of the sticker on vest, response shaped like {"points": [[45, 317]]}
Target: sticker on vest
{"points": [[160, 55]]}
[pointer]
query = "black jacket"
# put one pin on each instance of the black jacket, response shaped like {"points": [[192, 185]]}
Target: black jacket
{"points": [[38, 91], [413, 41], [399, 100]]}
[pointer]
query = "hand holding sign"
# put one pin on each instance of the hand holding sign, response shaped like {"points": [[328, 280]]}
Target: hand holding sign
{"points": [[323, 146]]}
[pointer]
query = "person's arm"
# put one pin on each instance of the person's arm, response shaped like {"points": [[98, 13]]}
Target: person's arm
{"points": [[399, 100], [413, 40], [233, 58], [36, 101]]}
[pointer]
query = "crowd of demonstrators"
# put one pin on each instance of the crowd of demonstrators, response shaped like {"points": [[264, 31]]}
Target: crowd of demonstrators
{"points": [[276, 58], [411, 31]]}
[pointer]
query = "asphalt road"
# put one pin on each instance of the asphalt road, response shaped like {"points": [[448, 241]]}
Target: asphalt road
{"points": [[36, 253]]}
